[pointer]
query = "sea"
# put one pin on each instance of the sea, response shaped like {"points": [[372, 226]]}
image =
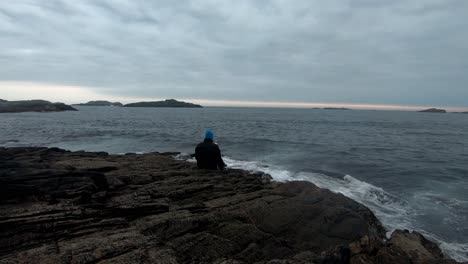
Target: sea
{"points": [[409, 168]]}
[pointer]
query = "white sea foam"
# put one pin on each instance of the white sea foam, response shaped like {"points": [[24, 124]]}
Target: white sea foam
{"points": [[456, 251], [277, 173], [184, 156], [392, 211], [136, 153]]}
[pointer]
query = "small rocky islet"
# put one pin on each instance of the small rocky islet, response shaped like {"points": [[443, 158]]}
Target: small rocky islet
{"points": [[434, 110], [101, 103], [58, 206], [33, 106], [170, 103], [166, 103], [46, 106], [337, 108]]}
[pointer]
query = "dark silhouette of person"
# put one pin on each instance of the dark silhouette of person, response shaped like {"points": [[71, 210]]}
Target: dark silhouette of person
{"points": [[208, 154]]}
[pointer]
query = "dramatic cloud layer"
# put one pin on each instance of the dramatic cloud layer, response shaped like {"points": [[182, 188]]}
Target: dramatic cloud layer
{"points": [[354, 51]]}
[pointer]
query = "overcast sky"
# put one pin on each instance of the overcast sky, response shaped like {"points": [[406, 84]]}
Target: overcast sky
{"points": [[412, 52]]}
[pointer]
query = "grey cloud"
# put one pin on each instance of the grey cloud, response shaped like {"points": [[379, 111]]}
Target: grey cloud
{"points": [[355, 51]]}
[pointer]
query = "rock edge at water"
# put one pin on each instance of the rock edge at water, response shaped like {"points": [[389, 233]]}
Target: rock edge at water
{"points": [[79, 207]]}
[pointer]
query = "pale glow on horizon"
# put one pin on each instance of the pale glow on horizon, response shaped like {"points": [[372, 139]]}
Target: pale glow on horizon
{"points": [[318, 105], [10, 90], [50, 92]]}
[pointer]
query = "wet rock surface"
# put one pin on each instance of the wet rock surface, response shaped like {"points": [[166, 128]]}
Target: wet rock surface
{"points": [[79, 207]]}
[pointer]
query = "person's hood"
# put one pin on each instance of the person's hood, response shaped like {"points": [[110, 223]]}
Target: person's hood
{"points": [[209, 135]]}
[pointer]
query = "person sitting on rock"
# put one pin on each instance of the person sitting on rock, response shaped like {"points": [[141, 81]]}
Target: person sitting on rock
{"points": [[208, 154]]}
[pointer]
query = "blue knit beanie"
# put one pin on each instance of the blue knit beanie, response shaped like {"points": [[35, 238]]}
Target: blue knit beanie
{"points": [[209, 134]]}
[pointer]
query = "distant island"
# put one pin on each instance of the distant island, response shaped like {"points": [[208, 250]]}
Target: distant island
{"points": [[33, 106], [336, 108], [101, 103], [433, 110], [166, 103]]}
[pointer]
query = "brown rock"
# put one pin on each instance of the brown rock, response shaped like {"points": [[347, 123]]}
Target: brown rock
{"points": [[78, 207], [405, 247], [416, 246]]}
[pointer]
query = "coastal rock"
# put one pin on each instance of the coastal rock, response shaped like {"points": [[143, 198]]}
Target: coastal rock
{"points": [[33, 106], [101, 103], [80, 207], [166, 103], [434, 110], [405, 247]]}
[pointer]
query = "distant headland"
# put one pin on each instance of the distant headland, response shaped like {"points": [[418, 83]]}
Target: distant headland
{"points": [[166, 103], [33, 106], [434, 110], [101, 103], [336, 108]]}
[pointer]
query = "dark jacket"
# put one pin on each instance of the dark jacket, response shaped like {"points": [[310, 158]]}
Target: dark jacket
{"points": [[208, 156]]}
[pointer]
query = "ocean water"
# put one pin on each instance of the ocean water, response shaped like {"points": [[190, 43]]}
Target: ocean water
{"points": [[410, 169]]}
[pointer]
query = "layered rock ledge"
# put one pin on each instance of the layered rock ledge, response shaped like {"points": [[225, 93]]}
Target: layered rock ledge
{"points": [[79, 207]]}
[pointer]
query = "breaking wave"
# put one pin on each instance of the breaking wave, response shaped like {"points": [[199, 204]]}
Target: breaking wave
{"points": [[393, 212]]}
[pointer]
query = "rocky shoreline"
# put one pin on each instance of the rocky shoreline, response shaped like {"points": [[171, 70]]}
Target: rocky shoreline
{"points": [[80, 207]]}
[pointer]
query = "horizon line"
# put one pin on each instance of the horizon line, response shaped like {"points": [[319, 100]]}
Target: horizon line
{"points": [[265, 104], [279, 104], [12, 90]]}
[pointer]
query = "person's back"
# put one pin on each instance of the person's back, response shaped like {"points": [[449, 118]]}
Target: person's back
{"points": [[208, 154]]}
